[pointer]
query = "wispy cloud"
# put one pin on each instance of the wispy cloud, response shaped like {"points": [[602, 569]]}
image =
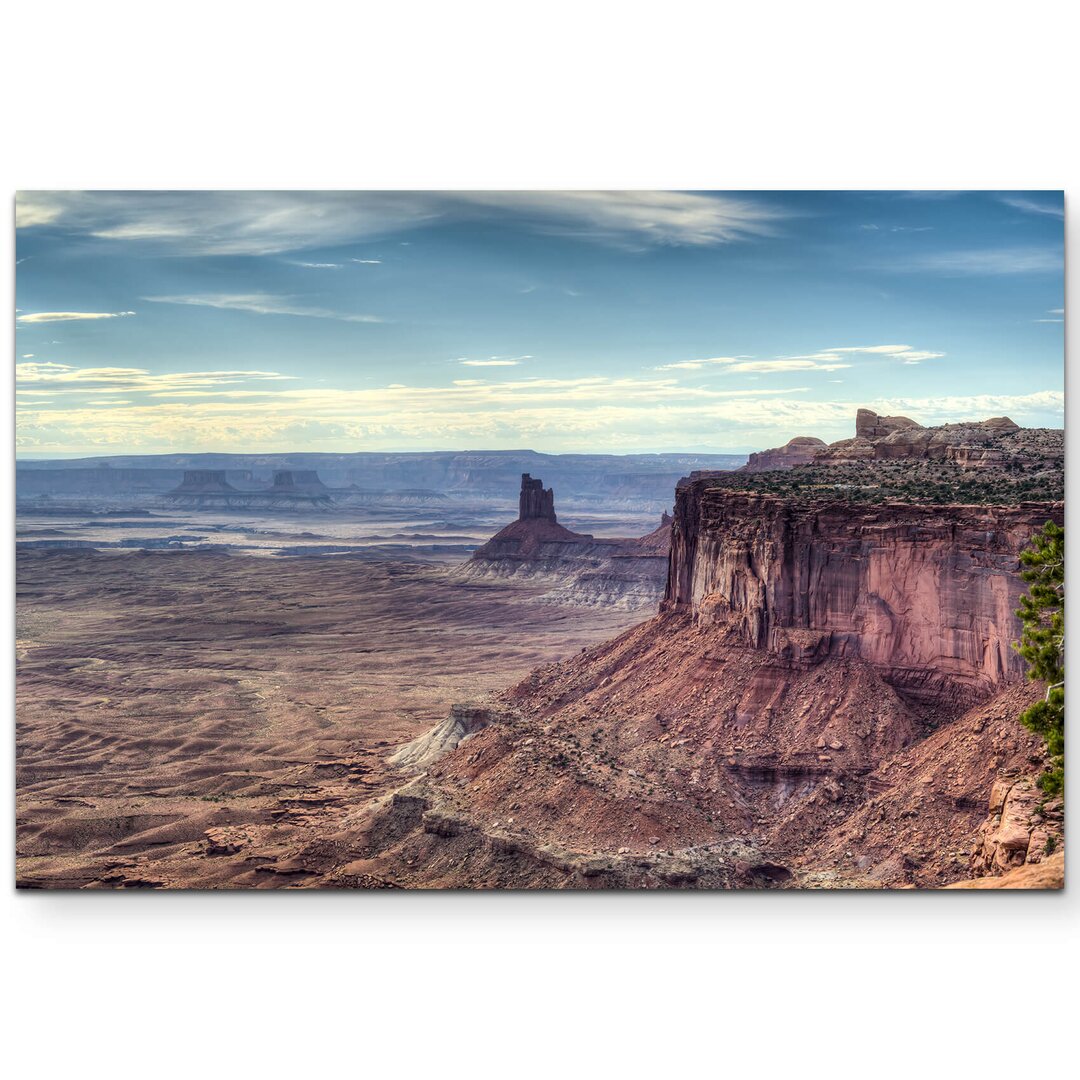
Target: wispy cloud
{"points": [[70, 316], [367, 262], [261, 304], [494, 361], [636, 218], [904, 353], [825, 360], [980, 262], [1029, 205], [317, 265], [897, 228], [272, 222], [56, 378], [735, 365]]}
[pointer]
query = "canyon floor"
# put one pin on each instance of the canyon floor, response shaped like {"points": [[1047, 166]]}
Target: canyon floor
{"points": [[199, 719]]}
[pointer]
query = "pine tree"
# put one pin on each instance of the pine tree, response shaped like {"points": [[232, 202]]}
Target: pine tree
{"points": [[1042, 644]]}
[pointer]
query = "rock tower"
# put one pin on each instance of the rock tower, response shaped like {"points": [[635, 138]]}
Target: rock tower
{"points": [[534, 501]]}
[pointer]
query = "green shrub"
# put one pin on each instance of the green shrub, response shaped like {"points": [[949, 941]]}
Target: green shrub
{"points": [[1042, 645]]}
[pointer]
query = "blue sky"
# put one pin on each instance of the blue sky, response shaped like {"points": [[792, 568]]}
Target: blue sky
{"points": [[560, 321]]}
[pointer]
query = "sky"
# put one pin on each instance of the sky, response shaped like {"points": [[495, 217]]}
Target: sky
{"points": [[600, 322]]}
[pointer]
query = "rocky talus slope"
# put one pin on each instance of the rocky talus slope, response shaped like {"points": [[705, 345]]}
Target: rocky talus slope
{"points": [[828, 698]]}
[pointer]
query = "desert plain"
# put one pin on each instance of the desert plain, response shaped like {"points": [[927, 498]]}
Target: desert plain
{"points": [[202, 719]]}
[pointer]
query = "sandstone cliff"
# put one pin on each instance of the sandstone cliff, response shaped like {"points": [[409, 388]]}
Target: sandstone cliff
{"points": [[926, 594]]}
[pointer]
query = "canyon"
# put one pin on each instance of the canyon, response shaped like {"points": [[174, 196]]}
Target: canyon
{"points": [[803, 678], [827, 698]]}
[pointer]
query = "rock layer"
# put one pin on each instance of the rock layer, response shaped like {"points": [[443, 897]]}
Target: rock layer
{"points": [[927, 594]]}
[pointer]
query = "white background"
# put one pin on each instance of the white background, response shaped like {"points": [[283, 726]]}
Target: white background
{"points": [[469, 94]]}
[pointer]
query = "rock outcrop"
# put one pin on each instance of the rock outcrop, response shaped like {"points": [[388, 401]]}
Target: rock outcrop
{"points": [[204, 488], [463, 722], [927, 594], [894, 438], [296, 487], [1022, 827], [992, 443], [534, 502], [1049, 874], [574, 568], [799, 451], [868, 425]]}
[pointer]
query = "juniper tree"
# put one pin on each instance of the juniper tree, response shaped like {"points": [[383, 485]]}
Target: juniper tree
{"points": [[1042, 644]]}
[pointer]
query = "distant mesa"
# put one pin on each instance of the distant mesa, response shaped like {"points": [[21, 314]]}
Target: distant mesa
{"points": [[631, 482], [290, 489], [199, 482], [298, 483]]}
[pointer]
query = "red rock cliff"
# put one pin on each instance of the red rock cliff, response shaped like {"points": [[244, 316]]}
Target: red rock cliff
{"points": [[927, 594]]}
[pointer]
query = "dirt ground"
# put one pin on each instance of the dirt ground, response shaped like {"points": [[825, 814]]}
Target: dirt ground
{"points": [[193, 719]]}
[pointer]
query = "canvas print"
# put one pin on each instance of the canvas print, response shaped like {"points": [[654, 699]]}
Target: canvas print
{"points": [[540, 540]]}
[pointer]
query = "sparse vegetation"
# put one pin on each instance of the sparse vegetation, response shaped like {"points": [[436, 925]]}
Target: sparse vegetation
{"points": [[934, 482], [1042, 645]]}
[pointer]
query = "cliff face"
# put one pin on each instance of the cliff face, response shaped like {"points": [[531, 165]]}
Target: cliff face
{"points": [[926, 594]]}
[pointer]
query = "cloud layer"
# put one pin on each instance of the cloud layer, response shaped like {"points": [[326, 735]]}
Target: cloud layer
{"points": [[232, 410], [271, 222]]}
